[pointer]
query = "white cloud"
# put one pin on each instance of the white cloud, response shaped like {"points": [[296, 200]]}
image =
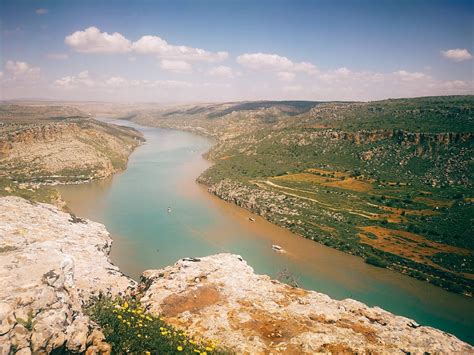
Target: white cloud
{"points": [[166, 84], [92, 40], [457, 86], [162, 49], [342, 71], [222, 71], [57, 56], [257, 61], [456, 55], [83, 80], [286, 76], [305, 67], [115, 82], [409, 76], [41, 11], [80, 80], [21, 70], [175, 66], [275, 62]]}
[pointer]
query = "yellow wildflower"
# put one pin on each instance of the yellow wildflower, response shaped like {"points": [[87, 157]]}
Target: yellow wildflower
{"points": [[208, 348], [149, 318], [125, 305], [203, 353], [147, 353], [180, 348], [119, 316]]}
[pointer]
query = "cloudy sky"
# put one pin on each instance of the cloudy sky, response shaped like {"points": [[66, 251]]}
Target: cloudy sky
{"points": [[214, 50]]}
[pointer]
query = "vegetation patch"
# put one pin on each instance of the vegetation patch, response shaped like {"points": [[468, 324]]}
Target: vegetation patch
{"points": [[129, 328], [407, 245]]}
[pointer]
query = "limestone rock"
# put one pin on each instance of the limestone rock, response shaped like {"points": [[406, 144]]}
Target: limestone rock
{"points": [[52, 266], [252, 313]]}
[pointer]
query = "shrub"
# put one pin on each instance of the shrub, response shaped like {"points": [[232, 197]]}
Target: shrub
{"points": [[129, 329], [376, 261], [286, 276]]}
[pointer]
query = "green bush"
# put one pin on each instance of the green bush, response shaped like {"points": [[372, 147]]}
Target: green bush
{"points": [[129, 329], [376, 261]]}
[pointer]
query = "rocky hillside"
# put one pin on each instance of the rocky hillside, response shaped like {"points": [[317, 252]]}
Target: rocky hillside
{"points": [[55, 144], [390, 181], [52, 263]]}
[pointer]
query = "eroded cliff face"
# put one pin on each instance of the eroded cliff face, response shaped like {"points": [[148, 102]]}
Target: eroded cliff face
{"points": [[51, 264], [70, 151]]}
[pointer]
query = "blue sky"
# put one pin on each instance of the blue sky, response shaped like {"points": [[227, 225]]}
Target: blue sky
{"points": [[235, 50]]}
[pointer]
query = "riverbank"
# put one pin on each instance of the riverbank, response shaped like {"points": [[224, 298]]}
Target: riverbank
{"points": [[42, 146], [133, 205], [43, 298], [349, 175]]}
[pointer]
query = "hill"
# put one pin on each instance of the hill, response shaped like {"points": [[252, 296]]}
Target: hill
{"points": [[390, 181], [45, 145]]}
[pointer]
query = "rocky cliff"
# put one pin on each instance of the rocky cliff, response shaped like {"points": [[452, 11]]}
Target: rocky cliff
{"points": [[48, 151], [52, 263]]}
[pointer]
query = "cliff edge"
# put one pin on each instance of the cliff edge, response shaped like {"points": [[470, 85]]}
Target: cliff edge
{"points": [[52, 263]]}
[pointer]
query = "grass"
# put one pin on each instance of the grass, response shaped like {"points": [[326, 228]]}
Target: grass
{"points": [[129, 328], [356, 165], [43, 194]]}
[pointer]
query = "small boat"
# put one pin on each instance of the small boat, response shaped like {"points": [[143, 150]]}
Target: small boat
{"points": [[251, 219], [169, 209], [277, 247]]}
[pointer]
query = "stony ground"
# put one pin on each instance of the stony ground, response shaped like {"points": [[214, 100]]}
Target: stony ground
{"points": [[51, 263], [220, 297]]}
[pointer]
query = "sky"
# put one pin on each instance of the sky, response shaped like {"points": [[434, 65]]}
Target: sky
{"points": [[229, 50]]}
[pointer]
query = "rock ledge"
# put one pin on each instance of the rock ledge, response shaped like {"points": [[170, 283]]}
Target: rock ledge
{"points": [[51, 264]]}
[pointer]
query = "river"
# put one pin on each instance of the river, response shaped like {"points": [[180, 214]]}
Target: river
{"points": [[133, 205]]}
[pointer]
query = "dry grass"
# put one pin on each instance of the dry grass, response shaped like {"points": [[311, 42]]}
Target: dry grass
{"points": [[434, 203], [305, 177], [337, 174], [351, 184], [340, 180], [405, 244]]}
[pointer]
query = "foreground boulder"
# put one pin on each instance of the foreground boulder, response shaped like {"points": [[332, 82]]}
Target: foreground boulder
{"points": [[52, 263], [220, 297]]}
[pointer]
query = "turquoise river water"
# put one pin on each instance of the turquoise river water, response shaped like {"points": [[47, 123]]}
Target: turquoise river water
{"points": [[133, 205]]}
